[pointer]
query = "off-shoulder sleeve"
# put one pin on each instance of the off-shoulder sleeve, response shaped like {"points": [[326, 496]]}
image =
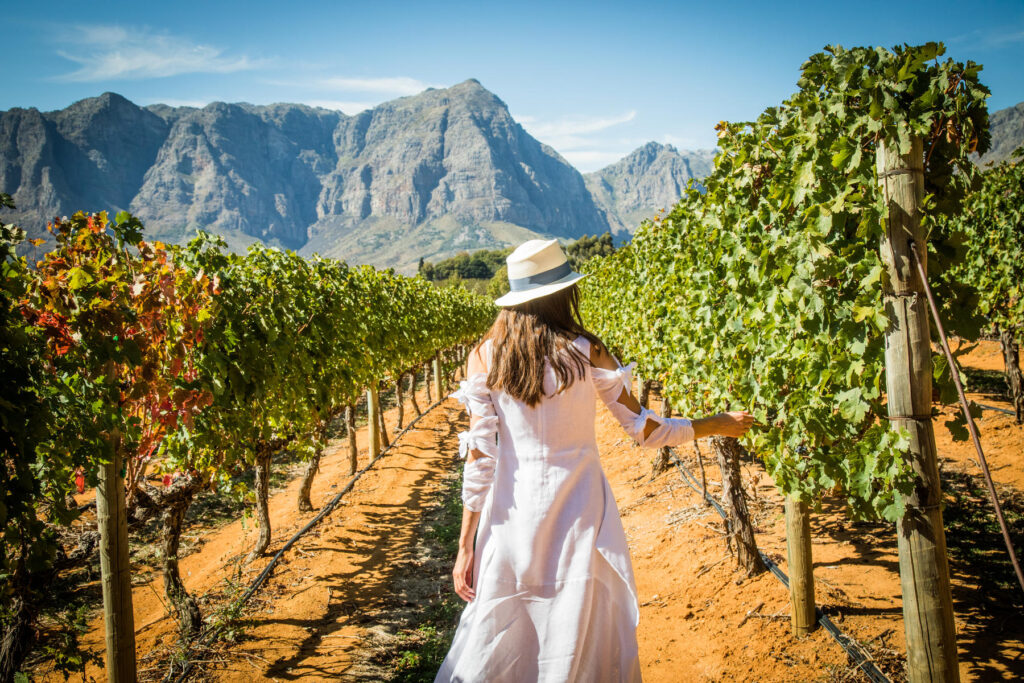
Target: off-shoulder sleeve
{"points": [[610, 384], [482, 437]]}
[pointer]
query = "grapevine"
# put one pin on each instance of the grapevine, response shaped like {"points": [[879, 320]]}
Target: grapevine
{"points": [[765, 291]]}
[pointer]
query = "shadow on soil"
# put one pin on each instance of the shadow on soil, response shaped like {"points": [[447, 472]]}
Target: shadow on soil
{"points": [[986, 598], [400, 591]]}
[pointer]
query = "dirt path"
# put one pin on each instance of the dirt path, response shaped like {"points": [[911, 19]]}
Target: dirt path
{"points": [[313, 625]]}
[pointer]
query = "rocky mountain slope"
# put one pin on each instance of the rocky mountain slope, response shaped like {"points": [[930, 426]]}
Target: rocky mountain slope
{"points": [[1007, 128], [644, 182], [428, 175], [444, 171]]}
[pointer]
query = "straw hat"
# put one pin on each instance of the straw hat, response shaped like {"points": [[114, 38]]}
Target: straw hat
{"points": [[535, 269]]}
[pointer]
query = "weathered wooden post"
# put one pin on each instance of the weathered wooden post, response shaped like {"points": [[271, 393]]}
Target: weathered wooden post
{"points": [[400, 400], [350, 429], [924, 572], [372, 422], [645, 392], [115, 571], [1012, 371], [437, 376], [801, 573]]}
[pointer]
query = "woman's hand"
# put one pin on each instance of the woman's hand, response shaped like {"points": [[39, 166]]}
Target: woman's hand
{"points": [[463, 574], [734, 423]]}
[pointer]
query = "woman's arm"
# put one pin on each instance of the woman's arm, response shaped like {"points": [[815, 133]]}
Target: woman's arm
{"points": [[733, 423], [462, 573], [464, 562]]}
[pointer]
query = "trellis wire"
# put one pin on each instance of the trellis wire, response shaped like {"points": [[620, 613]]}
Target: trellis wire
{"points": [[975, 437], [860, 659]]}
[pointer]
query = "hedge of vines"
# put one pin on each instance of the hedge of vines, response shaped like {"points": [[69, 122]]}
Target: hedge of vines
{"points": [[764, 292], [992, 225]]}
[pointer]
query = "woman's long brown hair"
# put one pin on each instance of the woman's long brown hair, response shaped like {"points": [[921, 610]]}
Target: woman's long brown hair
{"points": [[525, 335]]}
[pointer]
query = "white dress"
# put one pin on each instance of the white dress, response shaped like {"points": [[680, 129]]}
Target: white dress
{"points": [[555, 596]]}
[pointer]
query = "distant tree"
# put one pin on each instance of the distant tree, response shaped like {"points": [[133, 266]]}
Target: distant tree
{"points": [[489, 264], [498, 286], [475, 268], [587, 247]]}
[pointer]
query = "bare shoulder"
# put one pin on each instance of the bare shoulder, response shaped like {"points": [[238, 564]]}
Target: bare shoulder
{"points": [[476, 361], [601, 357]]}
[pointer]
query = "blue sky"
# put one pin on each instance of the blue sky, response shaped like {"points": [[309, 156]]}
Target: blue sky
{"points": [[595, 80]]}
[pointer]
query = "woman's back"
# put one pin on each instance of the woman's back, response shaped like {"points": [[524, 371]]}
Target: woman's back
{"points": [[543, 560], [550, 547], [561, 425]]}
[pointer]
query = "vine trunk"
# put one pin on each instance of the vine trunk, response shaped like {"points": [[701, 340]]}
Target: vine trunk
{"points": [[1014, 377], [740, 531], [262, 486]]}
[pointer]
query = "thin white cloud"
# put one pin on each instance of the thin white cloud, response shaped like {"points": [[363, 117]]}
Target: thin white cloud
{"points": [[396, 85], [108, 52], [989, 39], [584, 141], [680, 142], [345, 106], [172, 102], [573, 126], [587, 160]]}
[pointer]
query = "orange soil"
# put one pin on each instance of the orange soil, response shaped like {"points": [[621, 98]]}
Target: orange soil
{"points": [[700, 620]]}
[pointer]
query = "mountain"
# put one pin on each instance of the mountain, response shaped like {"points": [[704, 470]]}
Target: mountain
{"points": [[647, 180], [440, 172], [94, 154], [422, 176], [1007, 128]]}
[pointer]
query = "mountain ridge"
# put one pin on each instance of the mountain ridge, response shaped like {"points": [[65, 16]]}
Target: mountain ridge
{"points": [[650, 178], [424, 175], [427, 175]]}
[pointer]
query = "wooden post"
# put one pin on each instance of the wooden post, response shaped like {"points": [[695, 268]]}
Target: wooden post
{"points": [[437, 375], [703, 477], [921, 539], [400, 400], [1014, 376], [801, 572], [426, 382], [350, 429], [372, 422], [115, 571], [645, 393]]}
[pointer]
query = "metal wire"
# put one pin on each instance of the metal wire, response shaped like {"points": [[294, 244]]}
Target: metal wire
{"points": [[858, 657], [967, 414]]}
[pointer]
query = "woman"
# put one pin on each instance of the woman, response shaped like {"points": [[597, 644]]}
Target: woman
{"points": [[549, 580]]}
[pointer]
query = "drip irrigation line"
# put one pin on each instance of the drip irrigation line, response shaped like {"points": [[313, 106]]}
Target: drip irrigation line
{"points": [[858, 657], [1001, 410], [975, 437], [263, 575]]}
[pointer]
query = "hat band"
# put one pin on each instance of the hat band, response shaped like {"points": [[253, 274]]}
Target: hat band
{"points": [[521, 284]]}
